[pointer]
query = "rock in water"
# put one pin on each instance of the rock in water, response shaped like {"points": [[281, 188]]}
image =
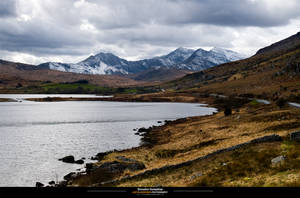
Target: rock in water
{"points": [[51, 183], [68, 159], [70, 176], [79, 161], [39, 185], [89, 167]]}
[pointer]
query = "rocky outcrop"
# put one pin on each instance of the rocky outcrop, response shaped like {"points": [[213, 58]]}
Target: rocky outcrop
{"points": [[121, 166], [89, 167], [142, 131], [277, 160], [69, 177], [68, 159], [71, 159], [101, 155], [51, 183], [79, 161], [39, 184]]}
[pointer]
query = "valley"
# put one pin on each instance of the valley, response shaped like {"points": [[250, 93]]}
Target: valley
{"points": [[255, 124]]}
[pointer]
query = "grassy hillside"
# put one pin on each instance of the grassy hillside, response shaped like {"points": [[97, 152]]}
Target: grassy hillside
{"points": [[272, 73], [160, 75], [78, 87]]}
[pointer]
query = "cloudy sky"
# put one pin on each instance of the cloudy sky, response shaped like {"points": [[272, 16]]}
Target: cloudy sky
{"points": [[36, 31]]}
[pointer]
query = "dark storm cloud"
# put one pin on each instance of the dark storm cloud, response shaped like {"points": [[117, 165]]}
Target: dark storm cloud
{"points": [[213, 12], [68, 27], [7, 8], [238, 13]]}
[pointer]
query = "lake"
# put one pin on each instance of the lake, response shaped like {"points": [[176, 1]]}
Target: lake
{"points": [[34, 135]]}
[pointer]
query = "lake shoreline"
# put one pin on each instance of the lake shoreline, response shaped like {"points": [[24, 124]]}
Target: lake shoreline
{"points": [[161, 142], [146, 136], [79, 126], [7, 100]]}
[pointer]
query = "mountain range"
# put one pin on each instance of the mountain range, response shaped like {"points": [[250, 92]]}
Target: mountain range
{"points": [[179, 59], [271, 72]]}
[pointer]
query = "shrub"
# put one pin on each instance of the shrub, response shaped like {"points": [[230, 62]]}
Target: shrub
{"points": [[19, 85], [281, 102], [79, 82], [254, 102], [227, 111]]}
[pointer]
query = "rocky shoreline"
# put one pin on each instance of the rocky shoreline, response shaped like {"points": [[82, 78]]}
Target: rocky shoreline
{"points": [[115, 167], [115, 170], [122, 163], [118, 166]]}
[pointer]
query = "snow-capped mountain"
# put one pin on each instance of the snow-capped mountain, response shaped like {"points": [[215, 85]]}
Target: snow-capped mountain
{"points": [[102, 63], [181, 58], [105, 63], [202, 59], [230, 55], [175, 57]]}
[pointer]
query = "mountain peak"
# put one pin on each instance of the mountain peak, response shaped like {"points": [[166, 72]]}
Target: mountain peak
{"points": [[183, 49], [219, 49], [176, 56], [229, 54], [104, 54]]}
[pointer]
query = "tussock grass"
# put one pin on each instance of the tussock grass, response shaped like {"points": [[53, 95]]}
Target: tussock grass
{"points": [[248, 166]]}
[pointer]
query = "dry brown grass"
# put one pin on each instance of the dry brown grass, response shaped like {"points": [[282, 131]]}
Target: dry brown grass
{"points": [[198, 136], [249, 166]]}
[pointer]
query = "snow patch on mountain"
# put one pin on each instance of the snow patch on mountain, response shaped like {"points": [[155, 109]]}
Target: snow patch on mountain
{"points": [[230, 55]]}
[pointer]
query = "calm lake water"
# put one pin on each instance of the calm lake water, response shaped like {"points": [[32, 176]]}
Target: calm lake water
{"points": [[34, 135]]}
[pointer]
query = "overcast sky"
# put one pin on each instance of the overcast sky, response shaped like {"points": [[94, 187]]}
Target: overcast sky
{"points": [[36, 31]]}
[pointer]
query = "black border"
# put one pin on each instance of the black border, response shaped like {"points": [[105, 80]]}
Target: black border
{"points": [[141, 191]]}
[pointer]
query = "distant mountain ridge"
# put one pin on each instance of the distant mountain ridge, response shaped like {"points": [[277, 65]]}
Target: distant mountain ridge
{"points": [[181, 59]]}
